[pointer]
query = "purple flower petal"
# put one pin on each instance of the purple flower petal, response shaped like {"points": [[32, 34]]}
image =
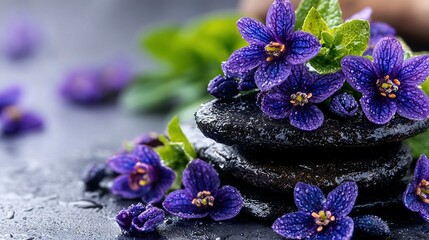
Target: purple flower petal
{"points": [[380, 30], [146, 154], [200, 176], [411, 200], [179, 203], [388, 57], [414, 71], [424, 212], [165, 179], [122, 163], [325, 85], [228, 203], [308, 198], [297, 225], [253, 31], [301, 47], [422, 170], [412, 103], [378, 109], [340, 229], [124, 218], [344, 105], [223, 87], [121, 187], [149, 139], [116, 76], [82, 86], [364, 14], [271, 74], [14, 120], [307, 118], [244, 60], [148, 220], [341, 200], [10, 96], [276, 104], [21, 39], [360, 73], [281, 19]]}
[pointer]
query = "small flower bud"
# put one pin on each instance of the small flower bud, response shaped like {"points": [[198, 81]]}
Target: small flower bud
{"points": [[222, 87], [344, 105]]}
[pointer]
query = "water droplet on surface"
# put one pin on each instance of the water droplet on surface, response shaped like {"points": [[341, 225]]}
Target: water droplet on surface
{"points": [[85, 204], [10, 215]]}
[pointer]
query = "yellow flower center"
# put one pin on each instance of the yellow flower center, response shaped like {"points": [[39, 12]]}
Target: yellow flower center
{"points": [[274, 50], [388, 87], [322, 219], [300, 99], [204, 199], [422, 190]]}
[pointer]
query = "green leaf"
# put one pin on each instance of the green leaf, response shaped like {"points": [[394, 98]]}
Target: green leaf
{"points": [[148, 92], [329, 9], [350, 38], [315, 24], [407, 50], [425, 86], [176, 135], [419, 144]]}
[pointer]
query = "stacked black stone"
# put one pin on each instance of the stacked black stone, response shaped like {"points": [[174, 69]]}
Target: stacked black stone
{"points": [[265, 157]]}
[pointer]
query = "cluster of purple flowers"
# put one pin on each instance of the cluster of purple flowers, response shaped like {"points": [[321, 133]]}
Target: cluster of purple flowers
{"points": [[95, 86], [13, 118], [274, 62]]}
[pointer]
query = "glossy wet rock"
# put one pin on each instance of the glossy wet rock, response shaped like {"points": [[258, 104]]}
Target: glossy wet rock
{"points": [[240, 122], [370, 168]]}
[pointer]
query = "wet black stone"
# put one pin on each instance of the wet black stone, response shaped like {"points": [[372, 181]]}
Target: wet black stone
{"points": [[370, 227], [239, 121], [371, 168]]}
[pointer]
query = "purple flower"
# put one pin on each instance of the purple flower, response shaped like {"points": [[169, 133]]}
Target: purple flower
{"points": [[344, 105], [140, 219], [389, 84], [295, 98], [20, 39], [202, 196], [82, 86], [142, 175], [223, 87], [416, 197], [318, 218], [14, 120], [9, 96], [114, 77], [273, 48], [149, 139]]}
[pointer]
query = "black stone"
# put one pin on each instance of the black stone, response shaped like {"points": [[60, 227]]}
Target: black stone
{"points": [[371, 168], [239, 121]]}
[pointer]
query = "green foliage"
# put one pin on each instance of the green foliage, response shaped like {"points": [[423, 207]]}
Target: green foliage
{"points": [[328, 9], [189, 58], [419, 144], [176, 151], [349, 38]]}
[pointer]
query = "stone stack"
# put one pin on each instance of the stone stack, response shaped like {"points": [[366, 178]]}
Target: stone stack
{"points": [[265, 158]]}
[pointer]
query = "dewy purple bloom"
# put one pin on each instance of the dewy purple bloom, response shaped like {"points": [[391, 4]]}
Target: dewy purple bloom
{"points": [[20, 39], [9, 96], [296, 97], [222, 87], [202, 196], [142, 175], [318, 218], [344, 105], [14, 120], [416, 197], [273, 48], [140, 219], [149, 139], [389, 84], [82, 86]]}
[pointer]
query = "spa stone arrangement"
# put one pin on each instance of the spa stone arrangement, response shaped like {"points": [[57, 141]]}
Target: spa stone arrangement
{"points": [[266, 158]]}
